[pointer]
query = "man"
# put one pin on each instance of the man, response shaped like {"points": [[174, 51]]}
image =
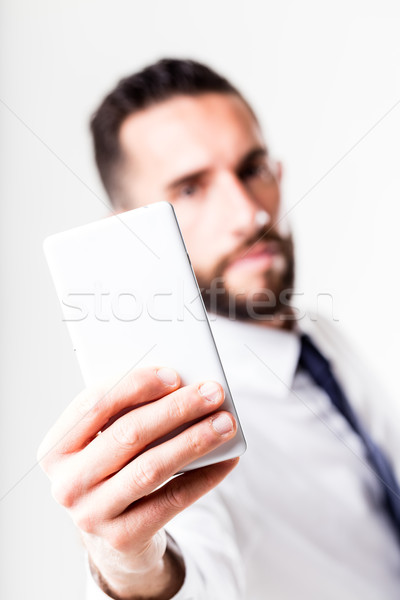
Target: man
{"points": [[306, 513]]}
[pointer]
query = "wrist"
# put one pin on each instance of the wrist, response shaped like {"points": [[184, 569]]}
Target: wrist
{"points": [[161, 582]]}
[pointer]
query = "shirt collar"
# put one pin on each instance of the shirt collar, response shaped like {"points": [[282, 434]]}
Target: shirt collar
{"points": [[265, 352]]}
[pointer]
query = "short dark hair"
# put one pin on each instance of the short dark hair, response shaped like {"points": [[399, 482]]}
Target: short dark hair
{"points": [[154, 84]]}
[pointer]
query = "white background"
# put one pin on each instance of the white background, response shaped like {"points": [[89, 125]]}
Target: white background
{"points": [[324, 78]]}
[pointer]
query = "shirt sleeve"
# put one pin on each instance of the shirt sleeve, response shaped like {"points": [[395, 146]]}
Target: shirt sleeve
{"points": [[205, 537]]}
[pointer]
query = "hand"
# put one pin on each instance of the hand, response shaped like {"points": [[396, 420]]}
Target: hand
{"points": [[103, 473]]}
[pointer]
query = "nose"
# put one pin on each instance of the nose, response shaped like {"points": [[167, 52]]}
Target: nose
{"points": [[244, 213]]}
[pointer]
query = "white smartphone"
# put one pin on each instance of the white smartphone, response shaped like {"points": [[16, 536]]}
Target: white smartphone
{"points": [[130, 299]]}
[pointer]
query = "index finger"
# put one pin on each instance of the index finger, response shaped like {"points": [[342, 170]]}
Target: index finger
{"points": [[93, 408]]}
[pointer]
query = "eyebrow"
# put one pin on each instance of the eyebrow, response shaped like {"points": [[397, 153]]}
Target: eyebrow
{"points": [[258, 152]]}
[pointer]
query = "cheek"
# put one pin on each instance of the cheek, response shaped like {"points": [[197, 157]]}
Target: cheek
{"points": [[200, 239], [271, 203], [194, 224], [186, 219], [200, 245]]}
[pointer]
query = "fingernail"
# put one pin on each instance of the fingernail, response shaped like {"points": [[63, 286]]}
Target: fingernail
{"points": [[211, 391], [167, 376], [222, 423]]}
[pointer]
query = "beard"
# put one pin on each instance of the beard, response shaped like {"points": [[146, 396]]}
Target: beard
{"points": [[262, 302]]}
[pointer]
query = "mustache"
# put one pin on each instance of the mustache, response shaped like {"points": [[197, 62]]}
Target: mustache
{"points": [[265, 235]]}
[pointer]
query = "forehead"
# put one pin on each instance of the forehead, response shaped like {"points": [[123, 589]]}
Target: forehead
{"points": [[187, 132]]}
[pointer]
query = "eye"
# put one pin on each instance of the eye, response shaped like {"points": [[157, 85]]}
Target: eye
{"points": [[259, 170], [188, 190]]}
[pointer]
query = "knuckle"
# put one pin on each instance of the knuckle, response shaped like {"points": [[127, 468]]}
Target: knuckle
{"points": [[195, 442], [128, 386], [85, 521], [63, 493], [88, 401], [118, 538], [185, 402], [147, 474], [100, 400], [126, 433], [177, 406], [175, 498]]}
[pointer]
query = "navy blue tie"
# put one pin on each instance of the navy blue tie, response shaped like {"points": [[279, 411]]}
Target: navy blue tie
{"points": [[320, 370]]}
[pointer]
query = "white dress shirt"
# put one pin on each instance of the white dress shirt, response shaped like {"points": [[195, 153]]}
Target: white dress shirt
{"points": [[300, 516]]}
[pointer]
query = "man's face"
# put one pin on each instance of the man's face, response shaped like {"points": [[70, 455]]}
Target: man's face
{"points": [[206, 156]]}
